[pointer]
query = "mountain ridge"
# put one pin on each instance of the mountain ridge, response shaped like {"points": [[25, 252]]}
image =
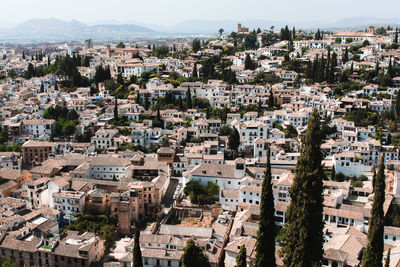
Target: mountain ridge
{"points": [[56, 29]]}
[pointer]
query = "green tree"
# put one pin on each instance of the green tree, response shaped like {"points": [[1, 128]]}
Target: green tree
{"points": [[241, 257], [265, 247], [234, 140], [146, 102], [194, 73], [189, 99], [3, 135], [333, 173], [196, 45], [116, 109], [8, 263], [346, 55], [271, 100], [137, 253], [249, 63], [387, 261], [220, 31], [120, 45], [373, 253], [194, 256], [304, 238], [120, 79], [398, 104], [68, 128]]}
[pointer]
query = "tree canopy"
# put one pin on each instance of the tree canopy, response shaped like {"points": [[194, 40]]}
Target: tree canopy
{"points": [[194, 256]]}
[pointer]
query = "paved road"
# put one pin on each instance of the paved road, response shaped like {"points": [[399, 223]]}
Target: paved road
{"points": [[168, 199]]}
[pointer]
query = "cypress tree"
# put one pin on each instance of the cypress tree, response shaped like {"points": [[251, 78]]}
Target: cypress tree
{"points": [[304, 236], [308, 72], [396, 36], [287, 33], [294, 33], [333, 173], [390, 69], [248, 63], [241, 257], [373, 253], [146, 103], [194, 73], [265, 247], [314, 70], [398, 104], [180, 104], [23, 54], [234, 140], [318, 35], [137, 253], [334, 60], [387, 261], [328, 62], [271, 100], [189, 99], [346, 55], [116, 109], [158, 117]]}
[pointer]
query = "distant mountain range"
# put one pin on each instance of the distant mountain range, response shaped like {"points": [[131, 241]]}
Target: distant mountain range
{"points": [[59, 30], [212, 26], [55, 29]]}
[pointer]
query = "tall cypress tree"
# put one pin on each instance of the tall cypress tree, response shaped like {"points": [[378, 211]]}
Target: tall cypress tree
{"points": [[346, 55], [396, 36], [137, 253], [265, 247], [116, 109], [271, 100], [374, 251], [241, 257], [387, 261], [398, 104], [333, 173], [390, 69], [194, 73], [189, 99], [304, 236]]}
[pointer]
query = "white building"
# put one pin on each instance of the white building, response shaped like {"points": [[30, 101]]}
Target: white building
{"points": [[37, 127]]}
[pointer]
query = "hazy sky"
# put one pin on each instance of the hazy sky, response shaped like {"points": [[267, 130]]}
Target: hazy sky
{"points": [[169, 12]]}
